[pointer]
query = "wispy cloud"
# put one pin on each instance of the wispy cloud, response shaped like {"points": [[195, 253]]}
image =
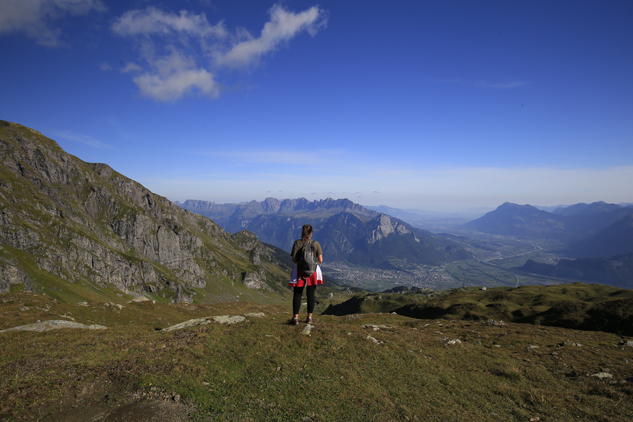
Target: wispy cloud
{"points": [[87, 140], [288, 158], [500, 85], [181, 53], [283, 26], [36, 18]]}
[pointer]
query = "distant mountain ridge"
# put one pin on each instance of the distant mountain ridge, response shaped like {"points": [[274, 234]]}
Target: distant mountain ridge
{"points": [[587, 209], [82, 231], [347, 231], [588, 230]]}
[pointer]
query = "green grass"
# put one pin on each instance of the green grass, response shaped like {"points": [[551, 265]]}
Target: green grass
{"points": [[263, 369]]}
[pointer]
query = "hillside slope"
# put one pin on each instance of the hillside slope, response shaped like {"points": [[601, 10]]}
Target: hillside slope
{"points": [[370, 367], [77, 230]]}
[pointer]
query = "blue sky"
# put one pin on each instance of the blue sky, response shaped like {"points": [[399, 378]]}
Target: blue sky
{"points": [[434, 105]]}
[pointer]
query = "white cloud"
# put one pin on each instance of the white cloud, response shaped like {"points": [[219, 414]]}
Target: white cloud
{"points": [[131, 67], [181, 52], [153, 21], [282, 27], [35, 17], [105, 66], [174, 76]]}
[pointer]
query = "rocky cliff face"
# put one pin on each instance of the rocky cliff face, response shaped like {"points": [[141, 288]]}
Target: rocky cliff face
{"points": [[67, 225]]}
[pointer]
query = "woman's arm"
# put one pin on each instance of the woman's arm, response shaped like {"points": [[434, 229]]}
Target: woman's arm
{"points": [[320, 259]]}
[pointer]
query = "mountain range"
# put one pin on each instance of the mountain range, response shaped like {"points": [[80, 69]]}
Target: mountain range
{"points": [[77, 231], [582, 230], [348, 232]]}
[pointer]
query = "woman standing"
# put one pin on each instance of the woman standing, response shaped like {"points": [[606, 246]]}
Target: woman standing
{"points": [[306, 253]]}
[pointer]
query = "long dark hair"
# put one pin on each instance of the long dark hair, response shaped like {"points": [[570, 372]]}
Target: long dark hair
{"points": [[306, 231]]}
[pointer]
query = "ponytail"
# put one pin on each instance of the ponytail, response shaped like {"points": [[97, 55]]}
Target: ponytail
{"points": [[306, 231]]}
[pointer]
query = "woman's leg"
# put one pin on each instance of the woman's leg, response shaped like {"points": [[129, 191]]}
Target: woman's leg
{"points": [[296, 300], [311, 299]]}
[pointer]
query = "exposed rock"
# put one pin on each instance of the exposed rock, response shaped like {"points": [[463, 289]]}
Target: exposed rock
{"points": [[222, 319], [83, 222], [569, 343], [453, 342], [308, 330], [493, 323], [228, 319], [384, 227], [626, 343], [531, 346], [54, 325], [377, 327], [602, 375], [254, 280], [190, 323], [256, 315], [375, 341]]}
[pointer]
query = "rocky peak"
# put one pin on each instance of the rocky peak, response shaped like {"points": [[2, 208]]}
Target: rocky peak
{"points": [[67, 221], [384, 226]]}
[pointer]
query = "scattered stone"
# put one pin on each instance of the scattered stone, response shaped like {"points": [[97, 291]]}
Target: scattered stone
{"points": [[602, 375], [496, 345], [377, 327], [256, 315], [141, 299], [24, 308], [353, 316], [67, 317], [85, 304], [569, 343], [54, 325], [531, 346], [190, 323], [493, 323], [308, 330], [229, 319], [483, 288], [453, 342], [375, 341], [626, 343]]}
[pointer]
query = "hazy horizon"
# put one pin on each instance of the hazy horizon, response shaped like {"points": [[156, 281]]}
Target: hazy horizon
{"points": [[437, 106]]}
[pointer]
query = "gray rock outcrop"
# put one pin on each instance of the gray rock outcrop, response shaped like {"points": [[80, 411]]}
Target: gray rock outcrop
{"points": [[64, 220], [54, 325]]}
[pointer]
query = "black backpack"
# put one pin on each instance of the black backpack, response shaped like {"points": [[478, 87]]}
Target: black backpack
{"points": [[308, 260]]}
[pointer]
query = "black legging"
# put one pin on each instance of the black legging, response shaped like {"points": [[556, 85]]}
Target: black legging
{"points": [[296, 299]]}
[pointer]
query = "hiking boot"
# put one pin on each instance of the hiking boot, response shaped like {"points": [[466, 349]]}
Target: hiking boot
{"points": [[309, 320], [294, 321]]}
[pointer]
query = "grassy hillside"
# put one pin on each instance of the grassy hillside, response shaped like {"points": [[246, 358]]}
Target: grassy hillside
{"points": [[578, 305], [377, 367]]}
